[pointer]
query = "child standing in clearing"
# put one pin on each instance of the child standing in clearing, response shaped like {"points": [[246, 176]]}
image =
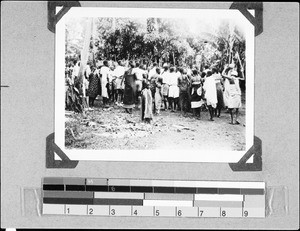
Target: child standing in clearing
{"points": [[147, 103]]}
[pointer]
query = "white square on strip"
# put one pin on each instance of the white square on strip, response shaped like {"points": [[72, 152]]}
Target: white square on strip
{"points": [[165, 211], [143, 211], [231, 212], [187, 212], [120, 210], [168, 203], [209, 211], [218, 197], [254, 212], [76, 210], [53, 209], [102, 210]]}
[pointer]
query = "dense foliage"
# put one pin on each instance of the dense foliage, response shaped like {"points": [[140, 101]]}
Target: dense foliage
{"points": [[158, 40]]}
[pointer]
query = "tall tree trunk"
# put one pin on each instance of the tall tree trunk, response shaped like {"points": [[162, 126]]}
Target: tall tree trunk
{"points": [[85, 50], [94, 47], [173, 58]]}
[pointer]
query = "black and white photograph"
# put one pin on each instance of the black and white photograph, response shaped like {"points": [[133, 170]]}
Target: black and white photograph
{"points": [[162, 80]]}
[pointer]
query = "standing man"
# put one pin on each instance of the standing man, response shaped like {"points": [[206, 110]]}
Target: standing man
{"points": [[173, 89], [152, 71], [104, 73], [165, 87], [119, 73], [184, 87], [138, 73]]}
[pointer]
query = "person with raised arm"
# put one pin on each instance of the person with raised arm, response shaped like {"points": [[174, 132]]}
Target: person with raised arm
{"points": [[233, 92]]}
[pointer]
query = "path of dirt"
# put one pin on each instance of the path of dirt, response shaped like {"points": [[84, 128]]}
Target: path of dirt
{"points": [[112, 128]]}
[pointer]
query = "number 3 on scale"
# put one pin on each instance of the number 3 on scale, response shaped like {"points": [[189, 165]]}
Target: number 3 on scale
{"points": [[112, 212]]}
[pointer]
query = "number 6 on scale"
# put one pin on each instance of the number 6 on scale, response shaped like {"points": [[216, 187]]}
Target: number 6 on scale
{"points": [[179, 213]]}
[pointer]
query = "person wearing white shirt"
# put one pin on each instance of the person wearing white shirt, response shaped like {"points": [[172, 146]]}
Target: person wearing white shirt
{"points": [[209, 87], [118, 74], [152, 72], [219, 88], [165, 87], [105, 76], [174, 89], [138, 72], [76, 70]]}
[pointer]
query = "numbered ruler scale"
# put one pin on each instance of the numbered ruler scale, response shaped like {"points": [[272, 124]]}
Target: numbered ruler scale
{"points": [[159, 198]]}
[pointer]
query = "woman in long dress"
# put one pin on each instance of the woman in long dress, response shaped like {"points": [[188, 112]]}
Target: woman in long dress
{"points": [[93, 88], [219, 87], [130, 89], [210, 93], [105, 75], [196, 94], [233, 92]]}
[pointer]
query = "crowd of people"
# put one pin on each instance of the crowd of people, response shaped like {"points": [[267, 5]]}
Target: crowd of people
{"points": [[151, 88]]}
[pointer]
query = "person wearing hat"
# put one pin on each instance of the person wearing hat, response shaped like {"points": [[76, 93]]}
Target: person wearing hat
{"points": [[233, 94]]}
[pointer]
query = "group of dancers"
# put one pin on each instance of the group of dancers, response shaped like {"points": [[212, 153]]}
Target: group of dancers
{"points": [[152, 89]]}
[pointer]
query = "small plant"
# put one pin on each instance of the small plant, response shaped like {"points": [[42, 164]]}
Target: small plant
{"points": [[74, 100]]}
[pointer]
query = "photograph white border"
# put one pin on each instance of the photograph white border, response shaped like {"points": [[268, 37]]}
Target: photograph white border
{"points": [[162, 155]]}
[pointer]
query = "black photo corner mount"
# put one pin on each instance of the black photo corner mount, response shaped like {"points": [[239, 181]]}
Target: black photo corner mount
{"points": [[241, 165], [257, 20], [256, 149], [256, 152], [53, 18], [51, 150], [51, 147]]}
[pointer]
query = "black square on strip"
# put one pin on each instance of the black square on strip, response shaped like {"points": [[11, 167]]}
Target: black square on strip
{"points": [[75, 187], [96, 188], [185, 190], [113, 188], [164, 189], [142, 189], [229, 191], [207, 190], [55, 187]]}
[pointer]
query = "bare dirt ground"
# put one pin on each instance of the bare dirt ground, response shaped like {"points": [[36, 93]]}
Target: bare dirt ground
{"points": [[112, 128]]}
